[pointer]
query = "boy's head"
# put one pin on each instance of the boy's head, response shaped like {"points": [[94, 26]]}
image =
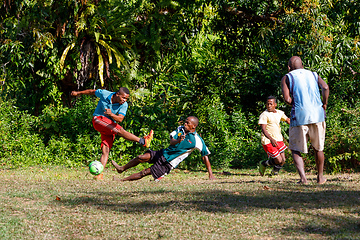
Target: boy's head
{"points": [[191, 123], [271, 104], [122, 95]]}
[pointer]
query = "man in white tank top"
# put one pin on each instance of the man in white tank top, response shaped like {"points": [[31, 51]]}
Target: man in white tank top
{"points": [[301, 90]]}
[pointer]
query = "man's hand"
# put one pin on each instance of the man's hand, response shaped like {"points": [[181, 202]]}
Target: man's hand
{"points": [[108, 112], [273, 142], [74, 93], [181, 138]]}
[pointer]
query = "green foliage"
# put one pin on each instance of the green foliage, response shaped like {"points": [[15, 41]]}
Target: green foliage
{"points": [[218, 60], [20, 146], [343, 138]]}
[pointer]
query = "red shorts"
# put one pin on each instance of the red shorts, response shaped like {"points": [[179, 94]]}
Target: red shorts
{"points": [[107, 128], [274, 152]]}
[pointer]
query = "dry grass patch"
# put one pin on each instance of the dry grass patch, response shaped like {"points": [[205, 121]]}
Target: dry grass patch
{"points": [[60, 203]]}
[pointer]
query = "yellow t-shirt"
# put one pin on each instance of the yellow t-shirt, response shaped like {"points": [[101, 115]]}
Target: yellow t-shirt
{"points": [[272, 121]]}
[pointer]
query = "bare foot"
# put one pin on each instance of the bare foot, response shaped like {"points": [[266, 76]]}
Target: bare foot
{"points": [[99, 177], [118, 168], [321, 180], [302, 182]]}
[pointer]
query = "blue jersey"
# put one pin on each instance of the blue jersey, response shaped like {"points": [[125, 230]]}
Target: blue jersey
{"points": [[175, 154], [307, 105], [105, 102]]}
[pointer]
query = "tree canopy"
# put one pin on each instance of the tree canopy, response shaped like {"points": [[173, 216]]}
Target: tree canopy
{"points": [[217, 59]]}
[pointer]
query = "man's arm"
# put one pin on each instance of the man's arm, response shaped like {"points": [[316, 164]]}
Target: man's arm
{"points": [[324, 91], [84, 92], [208, 166], [174, 141], [118, 118], [266, 133], [286, 90]]}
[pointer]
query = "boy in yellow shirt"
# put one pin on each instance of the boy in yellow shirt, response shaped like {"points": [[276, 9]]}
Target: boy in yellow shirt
{"points": [[271, 137]]}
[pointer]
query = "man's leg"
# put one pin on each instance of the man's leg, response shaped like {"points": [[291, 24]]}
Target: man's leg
{"points": [[299, 163], [103, 159], [105, 155], [128, 136], [108, 127], [320, 159], [132, 163], [144, 141], [135, 176]]}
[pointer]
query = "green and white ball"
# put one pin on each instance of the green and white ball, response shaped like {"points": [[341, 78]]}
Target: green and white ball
{"points": [[96, 167]]}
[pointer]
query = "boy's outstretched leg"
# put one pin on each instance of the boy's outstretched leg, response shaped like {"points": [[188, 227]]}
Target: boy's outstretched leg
{"points": [[135, 176], [144, 141], [132, 163]]}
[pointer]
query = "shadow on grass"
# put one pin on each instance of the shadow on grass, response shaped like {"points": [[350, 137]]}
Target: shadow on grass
{"points": [[310, 201]]}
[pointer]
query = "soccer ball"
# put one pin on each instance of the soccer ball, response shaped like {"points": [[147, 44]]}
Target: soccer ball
{"points": [[96, 167]]}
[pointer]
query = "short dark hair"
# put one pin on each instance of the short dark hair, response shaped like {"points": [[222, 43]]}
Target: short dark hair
{"points": [[295, 63], [272, 97], [195, 120], [124, 90]]}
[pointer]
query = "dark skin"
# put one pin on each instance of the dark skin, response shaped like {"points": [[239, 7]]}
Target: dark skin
{"points": [[190, 126], [296, 63], [119, 97], [271, 107]]}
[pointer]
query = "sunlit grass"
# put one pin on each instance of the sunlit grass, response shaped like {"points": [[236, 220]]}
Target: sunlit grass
{"points": [[61, 203]]}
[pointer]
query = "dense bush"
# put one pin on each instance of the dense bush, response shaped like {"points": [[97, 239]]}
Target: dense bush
{"points": [[218, 60], [20, 145], [342, 146]]}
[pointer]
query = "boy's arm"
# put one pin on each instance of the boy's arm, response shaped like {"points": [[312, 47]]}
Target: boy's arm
{"points": [[174, 141], [84, 92], [287, 120], [266, 133], [118, 118], [208, 166]]}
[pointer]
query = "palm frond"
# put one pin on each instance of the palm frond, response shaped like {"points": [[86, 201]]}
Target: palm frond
{"points": [[64, 54]]}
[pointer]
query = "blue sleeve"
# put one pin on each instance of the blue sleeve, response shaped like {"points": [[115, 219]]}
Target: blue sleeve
{"points": [[123, 109], [98, 93]]}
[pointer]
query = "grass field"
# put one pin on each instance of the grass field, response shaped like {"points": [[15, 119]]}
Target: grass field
{"points": [[60, 203]]}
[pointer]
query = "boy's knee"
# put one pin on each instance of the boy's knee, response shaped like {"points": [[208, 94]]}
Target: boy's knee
{"points": [[121, 132], [144, 157]]}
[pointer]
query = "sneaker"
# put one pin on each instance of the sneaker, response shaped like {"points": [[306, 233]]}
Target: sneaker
{"points": [[148, 138], [262, 169], [275, 171]]}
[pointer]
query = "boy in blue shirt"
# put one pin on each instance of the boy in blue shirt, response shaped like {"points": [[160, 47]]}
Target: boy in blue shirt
{"points": [[110, 111], [182, 142]]}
